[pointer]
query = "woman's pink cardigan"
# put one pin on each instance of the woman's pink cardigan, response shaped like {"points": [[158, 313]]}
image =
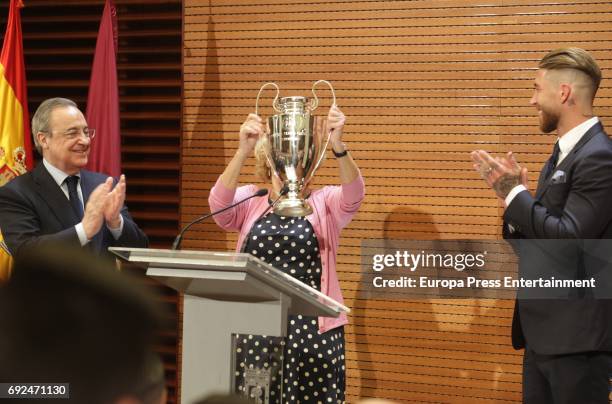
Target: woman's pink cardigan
{"points": [[333, 208]]}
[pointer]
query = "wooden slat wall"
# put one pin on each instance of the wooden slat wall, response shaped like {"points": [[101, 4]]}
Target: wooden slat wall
{"points": [[422, 83], [59, 43]]}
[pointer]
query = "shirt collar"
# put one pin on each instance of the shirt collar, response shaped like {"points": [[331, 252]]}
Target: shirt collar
{"points": [[58, 175], [573, 136]]}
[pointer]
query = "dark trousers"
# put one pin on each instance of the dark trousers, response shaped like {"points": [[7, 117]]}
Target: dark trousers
{"points": [[581, 378]]}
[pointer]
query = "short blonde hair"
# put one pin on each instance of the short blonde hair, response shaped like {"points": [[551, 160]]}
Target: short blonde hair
{"points": [[575, 59], [262, 169]]}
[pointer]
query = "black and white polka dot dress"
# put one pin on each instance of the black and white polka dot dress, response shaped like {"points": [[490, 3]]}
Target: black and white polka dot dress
{"points": [[306, 367]]}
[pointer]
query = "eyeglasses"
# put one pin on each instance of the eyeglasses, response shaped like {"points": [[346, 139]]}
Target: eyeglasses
{"points": [[75, 133]]}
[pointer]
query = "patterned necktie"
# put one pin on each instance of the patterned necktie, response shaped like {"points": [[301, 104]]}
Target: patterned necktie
{"points": [[552, 161], [77, 206]]}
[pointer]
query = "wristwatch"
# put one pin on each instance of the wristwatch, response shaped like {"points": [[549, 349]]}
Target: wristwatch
{"points": [[342, 153]]}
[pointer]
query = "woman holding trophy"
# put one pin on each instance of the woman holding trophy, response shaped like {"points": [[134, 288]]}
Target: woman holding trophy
{"points": [[298, 235]]}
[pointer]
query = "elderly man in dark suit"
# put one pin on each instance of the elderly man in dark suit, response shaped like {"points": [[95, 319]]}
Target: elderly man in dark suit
{"points": [[59, 201], [568, 342]]}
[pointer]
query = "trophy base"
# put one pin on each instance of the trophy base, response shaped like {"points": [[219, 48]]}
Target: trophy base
{"points": [[292, 208]]}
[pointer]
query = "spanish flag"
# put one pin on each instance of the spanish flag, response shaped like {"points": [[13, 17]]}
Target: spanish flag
{"points": [[15, 137]]}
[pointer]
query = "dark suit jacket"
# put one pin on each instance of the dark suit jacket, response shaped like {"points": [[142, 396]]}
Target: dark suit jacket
{"points": [[574, 202], [33, 209]]}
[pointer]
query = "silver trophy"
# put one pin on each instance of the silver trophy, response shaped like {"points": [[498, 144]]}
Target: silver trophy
{"points": [[295, 146]]}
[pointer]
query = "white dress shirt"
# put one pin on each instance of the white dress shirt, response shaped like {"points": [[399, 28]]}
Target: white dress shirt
{"points": [[566, 144], [60, 178]]}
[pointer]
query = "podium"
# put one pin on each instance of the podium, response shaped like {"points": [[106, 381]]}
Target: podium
{"points": [[225, 293]]}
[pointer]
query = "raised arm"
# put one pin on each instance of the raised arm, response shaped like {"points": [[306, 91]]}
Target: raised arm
{"points": [[250, 131], [224, 192], [346, 199], [347, 167]]}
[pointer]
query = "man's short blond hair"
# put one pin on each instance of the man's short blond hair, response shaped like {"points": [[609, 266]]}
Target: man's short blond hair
{"points": [[574, 59]]}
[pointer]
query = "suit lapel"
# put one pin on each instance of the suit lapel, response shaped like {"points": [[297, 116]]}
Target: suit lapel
{"points": [[541, 182], [87, 185], [544, 183], [53, 196]]}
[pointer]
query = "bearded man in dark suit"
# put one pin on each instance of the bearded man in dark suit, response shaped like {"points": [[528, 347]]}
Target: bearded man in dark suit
{"points": [[567, 342], [59, 201]]}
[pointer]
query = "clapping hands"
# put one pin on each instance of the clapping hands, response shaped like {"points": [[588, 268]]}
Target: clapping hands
{"points": [[104, 206], [500, 173]]}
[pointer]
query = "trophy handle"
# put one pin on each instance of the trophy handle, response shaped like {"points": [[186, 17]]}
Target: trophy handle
{"points": [[323, 150], [269, 161], [274, 103], [313, 105], [315, 102]]}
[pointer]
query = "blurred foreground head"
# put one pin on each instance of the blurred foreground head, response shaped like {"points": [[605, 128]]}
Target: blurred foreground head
{"points": [[225, 399], [68, 317]]}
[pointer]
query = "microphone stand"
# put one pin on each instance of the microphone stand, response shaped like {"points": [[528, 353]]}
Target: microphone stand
{"points": [[177, 241]]}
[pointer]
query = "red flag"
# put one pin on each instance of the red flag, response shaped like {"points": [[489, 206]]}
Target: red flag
{"points": [[103, 99], [15, 137]]}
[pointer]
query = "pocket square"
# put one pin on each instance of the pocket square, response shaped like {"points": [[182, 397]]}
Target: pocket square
{"points": [[558, 177]]}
